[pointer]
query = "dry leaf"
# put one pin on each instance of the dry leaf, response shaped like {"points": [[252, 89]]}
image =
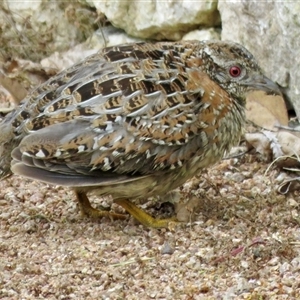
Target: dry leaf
{"points": [[7, 102], [289, 185], [290, 143], [260, 142], [274, 143], [282, 145], [64, 60], [267, 111], [30, 74], [290, 146], [16, 90]]}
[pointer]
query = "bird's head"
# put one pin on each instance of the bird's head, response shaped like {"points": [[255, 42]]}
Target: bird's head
{"points": [[236, 70]]}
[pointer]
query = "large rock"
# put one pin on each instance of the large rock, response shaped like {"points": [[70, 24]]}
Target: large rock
{"points": [[33, 29], [271, 31], [159, 19], [104, 37]]}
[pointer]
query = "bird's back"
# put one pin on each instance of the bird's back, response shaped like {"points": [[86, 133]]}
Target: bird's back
{"points": [[130, 110]]}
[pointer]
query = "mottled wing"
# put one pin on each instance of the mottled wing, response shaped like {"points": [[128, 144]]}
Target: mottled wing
{"points": [[132, 109]]}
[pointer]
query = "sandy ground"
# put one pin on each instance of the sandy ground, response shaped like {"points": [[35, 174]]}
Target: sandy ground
{"points": [[243, 244]]}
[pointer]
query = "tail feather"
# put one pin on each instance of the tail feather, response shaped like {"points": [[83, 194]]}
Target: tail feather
{"points": [[71, 180]]}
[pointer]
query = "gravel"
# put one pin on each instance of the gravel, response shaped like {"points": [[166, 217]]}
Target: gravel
{"points": [[243, 244]]}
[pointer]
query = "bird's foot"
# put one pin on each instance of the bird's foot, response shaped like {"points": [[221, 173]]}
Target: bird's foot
{"points": [[146, 219], [91, 212]]}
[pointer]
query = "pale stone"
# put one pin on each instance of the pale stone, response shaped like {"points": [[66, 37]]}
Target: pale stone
{"points": [[111, 36], [104, 37], [36, 25], [159, 19], [271, 31], [202, 35]]}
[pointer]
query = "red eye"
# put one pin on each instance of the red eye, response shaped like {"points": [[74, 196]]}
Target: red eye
{"points": [[235, 71]]}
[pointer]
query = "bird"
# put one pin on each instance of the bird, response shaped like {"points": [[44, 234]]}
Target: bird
{"points": [[133, 121]]}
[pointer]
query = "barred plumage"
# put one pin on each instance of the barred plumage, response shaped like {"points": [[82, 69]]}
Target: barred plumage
{"points": [[134, 120]]}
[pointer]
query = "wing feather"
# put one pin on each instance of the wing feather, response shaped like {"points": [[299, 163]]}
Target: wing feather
{"points": [[130, 109]]}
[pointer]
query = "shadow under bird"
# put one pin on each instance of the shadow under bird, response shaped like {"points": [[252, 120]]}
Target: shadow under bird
{"points": [[133, 121]]}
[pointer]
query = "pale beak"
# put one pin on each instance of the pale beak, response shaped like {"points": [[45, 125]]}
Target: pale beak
{"points": [[263, 83]]}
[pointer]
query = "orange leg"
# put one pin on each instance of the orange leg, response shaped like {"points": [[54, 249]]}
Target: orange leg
{"points": [[144, 218], [89, 211]]}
